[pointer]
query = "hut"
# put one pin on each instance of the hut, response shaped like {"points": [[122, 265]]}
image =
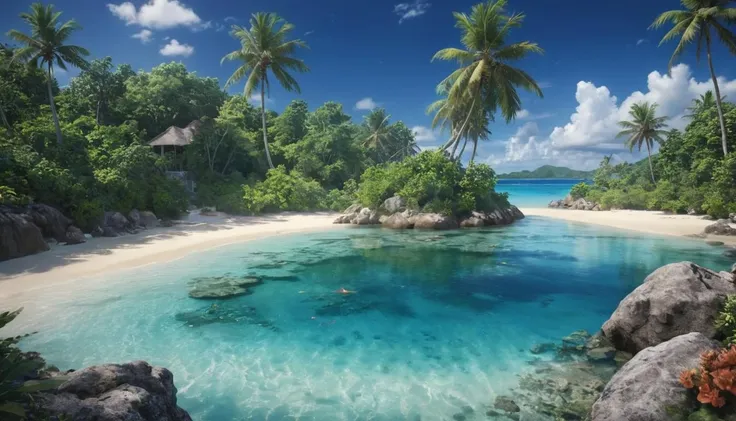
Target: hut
{"points": [[175, 139]]}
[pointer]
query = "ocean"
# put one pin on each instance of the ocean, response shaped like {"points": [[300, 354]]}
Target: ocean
{"points": [[535, 193]]}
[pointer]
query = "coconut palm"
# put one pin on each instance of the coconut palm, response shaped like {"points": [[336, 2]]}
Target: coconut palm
{"points": [[265, 47], [46, 47], [644, 128], [706, 101], [486, 79], [378, 129], [701, 21]]}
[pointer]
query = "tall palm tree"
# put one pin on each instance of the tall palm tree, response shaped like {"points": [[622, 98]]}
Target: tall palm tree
{"points": [[644, 128], [265, 47], [46, 47], [706, 101], [701, 21], [378, 130], [486, 79]]}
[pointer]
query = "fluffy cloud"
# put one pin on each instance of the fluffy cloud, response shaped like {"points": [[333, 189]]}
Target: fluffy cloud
{"points": [[527, 115], [591, 131], [173, 48], [255, 99], [366, 104], [157, 14], [423, 134], [145, 36], [411, 10]]}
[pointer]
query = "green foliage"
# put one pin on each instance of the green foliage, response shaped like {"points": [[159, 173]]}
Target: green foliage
{"points": [[726, 321], [284, 191], [432, 182], [339, 200], [223, 193], [580, 190]]}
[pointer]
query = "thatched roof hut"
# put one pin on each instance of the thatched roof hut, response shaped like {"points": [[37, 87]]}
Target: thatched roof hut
{"points": [[176, 136]]}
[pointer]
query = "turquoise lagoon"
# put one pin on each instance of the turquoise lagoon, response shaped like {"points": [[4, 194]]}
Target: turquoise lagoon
{"points": [[536, 193], [440, 322]]}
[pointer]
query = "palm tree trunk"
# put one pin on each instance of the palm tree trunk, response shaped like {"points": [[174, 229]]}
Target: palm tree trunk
{"points": [[475, 148], [719, 107], [53, 108], [462, 128], [651, 169], [454, 148], [462, 150], [263, 121]]}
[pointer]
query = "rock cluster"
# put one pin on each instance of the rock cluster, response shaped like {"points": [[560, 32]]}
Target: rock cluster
{"points": [[115, 224], [393, 213], [116, 392], [720, 227], [575, 204], [23, 230], [214, 287]]}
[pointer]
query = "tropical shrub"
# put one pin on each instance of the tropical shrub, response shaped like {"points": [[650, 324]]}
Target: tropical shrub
{"points": [[284, 191], [715, 379], [339, 200], [726, 321], [580, 190]]}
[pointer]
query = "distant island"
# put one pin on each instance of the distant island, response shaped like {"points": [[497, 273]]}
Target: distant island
{"points": [[548, 171]]}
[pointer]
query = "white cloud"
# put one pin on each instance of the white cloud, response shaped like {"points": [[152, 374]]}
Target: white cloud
{"points": [[144, 35], [157, 14], [527, 115], [366, 104], [230, 19], [411, 10], [641, 41], [423, 134], [256, 99], [591, 131], [543, 85], [308, 33], [522, 114], [173, 48]]}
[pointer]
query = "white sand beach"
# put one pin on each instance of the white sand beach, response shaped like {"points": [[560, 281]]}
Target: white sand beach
{"points": [[642, 221], [63, 264]]}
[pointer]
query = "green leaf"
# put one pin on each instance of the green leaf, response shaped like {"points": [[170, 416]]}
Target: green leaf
{"points": [[13, 408], [38, 385]]}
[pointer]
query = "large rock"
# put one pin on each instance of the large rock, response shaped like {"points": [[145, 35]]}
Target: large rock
{"points": [[582, 204], [126, 392], [134, 216], [74, 236], [350, 215], [721, 227], [52, 222], [555, 204], [148, 219], [435, 221], [647, 388], [227, 286], [18, 236], [397, 221], [116, 221], [675, 299], [475, 220], [364, 217], [394, 204]]}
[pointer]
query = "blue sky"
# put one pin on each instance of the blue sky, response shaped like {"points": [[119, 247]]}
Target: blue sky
{"points": [[381, 50]]}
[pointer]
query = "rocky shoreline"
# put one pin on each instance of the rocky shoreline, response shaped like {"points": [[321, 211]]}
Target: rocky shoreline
{"points": [[575, 204], [395, 214]]}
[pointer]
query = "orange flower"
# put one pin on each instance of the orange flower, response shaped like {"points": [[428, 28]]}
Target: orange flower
{"points": [[687, 378], [710, 395]]}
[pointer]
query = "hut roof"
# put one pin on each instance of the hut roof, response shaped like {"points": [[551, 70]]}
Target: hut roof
{"points": [[176, 136]]}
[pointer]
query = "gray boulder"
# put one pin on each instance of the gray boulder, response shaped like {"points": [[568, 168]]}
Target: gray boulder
{"points": [[52, 222], [363, 217], [397, 221], [148, 219], [675, 299], [732, 217], [116, 221], [555, 204], [226, 286], [516, 212], [647, 388], [434, 221], [568, 201], [18, 236], [134, 216], [473, 221], [74, 236], [350, 215], [127, 392], [394, 204], [109, 232], [721, 227]]}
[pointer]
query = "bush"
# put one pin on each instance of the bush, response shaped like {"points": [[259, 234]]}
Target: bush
{"points": [[726, 321], [283, 191], [223, 193], [169, 197], [339, 200], [87, 214], [632, 198], [580, 190]]}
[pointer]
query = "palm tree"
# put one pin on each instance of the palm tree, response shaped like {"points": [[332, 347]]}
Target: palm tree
{"points": [[706, 101], [378, 129], [644, 128], [46, 46], [265, 47], [485, 78], [701, 21]]}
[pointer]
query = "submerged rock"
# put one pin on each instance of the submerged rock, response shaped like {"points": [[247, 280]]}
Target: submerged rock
{"points": [[226, 286], [116, 392], [647, 388], [674, 300], [219, 313], [506, 404]]}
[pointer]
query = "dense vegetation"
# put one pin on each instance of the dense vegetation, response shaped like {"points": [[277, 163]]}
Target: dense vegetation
{"points": [[691, 173], [548, 171]]}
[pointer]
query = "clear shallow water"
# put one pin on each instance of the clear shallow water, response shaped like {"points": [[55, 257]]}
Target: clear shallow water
{"points": [[535, 192], [439, 321]]}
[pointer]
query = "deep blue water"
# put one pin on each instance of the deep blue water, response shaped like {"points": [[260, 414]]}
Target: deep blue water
{"points": [[534, 193], [439, 321]]}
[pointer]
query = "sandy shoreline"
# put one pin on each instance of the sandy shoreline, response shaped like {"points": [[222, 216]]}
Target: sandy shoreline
{"points": [[66, 263], [649, 222]]}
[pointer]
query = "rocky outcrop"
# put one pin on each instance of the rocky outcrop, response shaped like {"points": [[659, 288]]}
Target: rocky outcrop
{"points": [[574, 204], [116, 392], [52, 222], [74, 236], [647, 388], [475, 220], [674, 300], [19, 236], [397, 221], [393, 205], [148, 220], [227, 286], [721, 227], [408, 218], [134, 216], [434, 221], [117, 221]]}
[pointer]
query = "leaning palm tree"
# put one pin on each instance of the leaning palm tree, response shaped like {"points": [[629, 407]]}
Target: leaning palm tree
{"points": [[702, 21], [486, 79], [46, 47], [379, 131], [644, 128], [265, 47]]}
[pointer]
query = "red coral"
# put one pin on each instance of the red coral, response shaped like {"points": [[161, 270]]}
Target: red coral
{"points": [[717, 374]]}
